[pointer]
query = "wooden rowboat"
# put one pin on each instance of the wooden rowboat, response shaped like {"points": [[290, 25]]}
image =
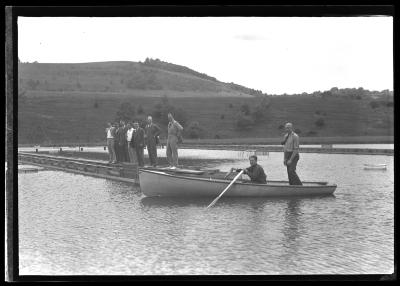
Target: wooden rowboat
{"points": [[173, 184]]}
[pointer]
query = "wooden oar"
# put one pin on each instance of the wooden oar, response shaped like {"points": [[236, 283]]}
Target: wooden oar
{"points": [[227, 188]]}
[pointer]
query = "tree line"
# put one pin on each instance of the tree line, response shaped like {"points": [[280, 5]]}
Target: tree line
{"points": [[176, 68], [353, 93]]}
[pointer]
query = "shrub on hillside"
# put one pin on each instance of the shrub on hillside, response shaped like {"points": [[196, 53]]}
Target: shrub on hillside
{"points": [[245, 109], [125, 112], [194, 130], [31, 84], [389, 104], [140, 110], [230, 105], [179, 115], [320, 122], [281, 127], [311, 133], [161, 110], [297, 130], [261, 110], [96, 104], [374, 104], [222, 116], [244, 122]]}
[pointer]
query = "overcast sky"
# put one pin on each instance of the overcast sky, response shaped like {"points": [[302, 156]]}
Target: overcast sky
{"points": [[275, 55]]}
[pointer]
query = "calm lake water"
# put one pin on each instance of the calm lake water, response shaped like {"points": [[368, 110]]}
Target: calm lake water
{"points": [[71, 224]]}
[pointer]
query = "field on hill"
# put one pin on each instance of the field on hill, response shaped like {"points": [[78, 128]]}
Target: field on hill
{"points": [[74, 118]]}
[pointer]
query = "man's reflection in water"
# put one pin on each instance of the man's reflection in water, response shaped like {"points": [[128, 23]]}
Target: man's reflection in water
{"points": [[292, 214]]}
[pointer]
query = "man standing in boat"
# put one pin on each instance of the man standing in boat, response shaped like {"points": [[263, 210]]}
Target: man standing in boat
{"points": [[152, 131], [255, 171], [110, 131], [291, 154], [174, 133]]}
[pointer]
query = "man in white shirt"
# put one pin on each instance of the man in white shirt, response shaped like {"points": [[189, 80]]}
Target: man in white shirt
{"points": [[131, 149], [110, 131], [174, 131], [291, 154]]}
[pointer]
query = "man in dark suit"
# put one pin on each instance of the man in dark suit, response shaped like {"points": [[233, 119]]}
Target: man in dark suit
{"points": [[121, 146], [138, 142], [152, 131]]}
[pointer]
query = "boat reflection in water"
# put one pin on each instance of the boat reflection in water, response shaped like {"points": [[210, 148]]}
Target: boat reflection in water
{"points": [[253, 202]]}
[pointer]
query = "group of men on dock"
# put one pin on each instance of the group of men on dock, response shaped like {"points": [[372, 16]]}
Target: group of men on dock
{"points": [[126, 142]]}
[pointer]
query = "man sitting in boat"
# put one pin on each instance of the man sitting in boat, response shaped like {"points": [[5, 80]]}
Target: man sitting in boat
{"points": [[255, 171]]}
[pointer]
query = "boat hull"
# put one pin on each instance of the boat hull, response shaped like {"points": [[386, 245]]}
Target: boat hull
{"points": [[155, 183]]}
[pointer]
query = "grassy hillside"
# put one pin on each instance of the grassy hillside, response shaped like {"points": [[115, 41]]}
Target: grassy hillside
{"points": [[151, 77], [71, 103], [76, 118]]}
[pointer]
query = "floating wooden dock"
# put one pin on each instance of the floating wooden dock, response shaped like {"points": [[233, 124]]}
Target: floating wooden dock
{"points": [[126, 172], [326, 149], [29, 169]]}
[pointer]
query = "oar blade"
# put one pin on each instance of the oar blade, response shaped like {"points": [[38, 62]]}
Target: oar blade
{"points": [[212, 203]]}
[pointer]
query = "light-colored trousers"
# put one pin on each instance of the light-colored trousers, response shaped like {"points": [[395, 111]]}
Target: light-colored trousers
{"points": [[111, 149], [132, 153], [172, 150]]}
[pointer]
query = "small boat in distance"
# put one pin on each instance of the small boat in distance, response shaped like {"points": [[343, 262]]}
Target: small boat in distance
{"points": [[375, 167], [174, 184]]}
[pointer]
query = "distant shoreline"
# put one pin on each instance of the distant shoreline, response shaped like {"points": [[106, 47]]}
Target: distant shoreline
{"points": [[249, 141]]}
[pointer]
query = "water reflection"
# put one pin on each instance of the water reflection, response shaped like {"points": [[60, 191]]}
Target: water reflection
{"points": [[172, 202], [256, 203]]}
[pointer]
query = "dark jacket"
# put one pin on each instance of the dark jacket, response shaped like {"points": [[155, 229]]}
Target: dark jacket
{"points": [[256, 174], [138, 138], [151, 133], [121, 135]]}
